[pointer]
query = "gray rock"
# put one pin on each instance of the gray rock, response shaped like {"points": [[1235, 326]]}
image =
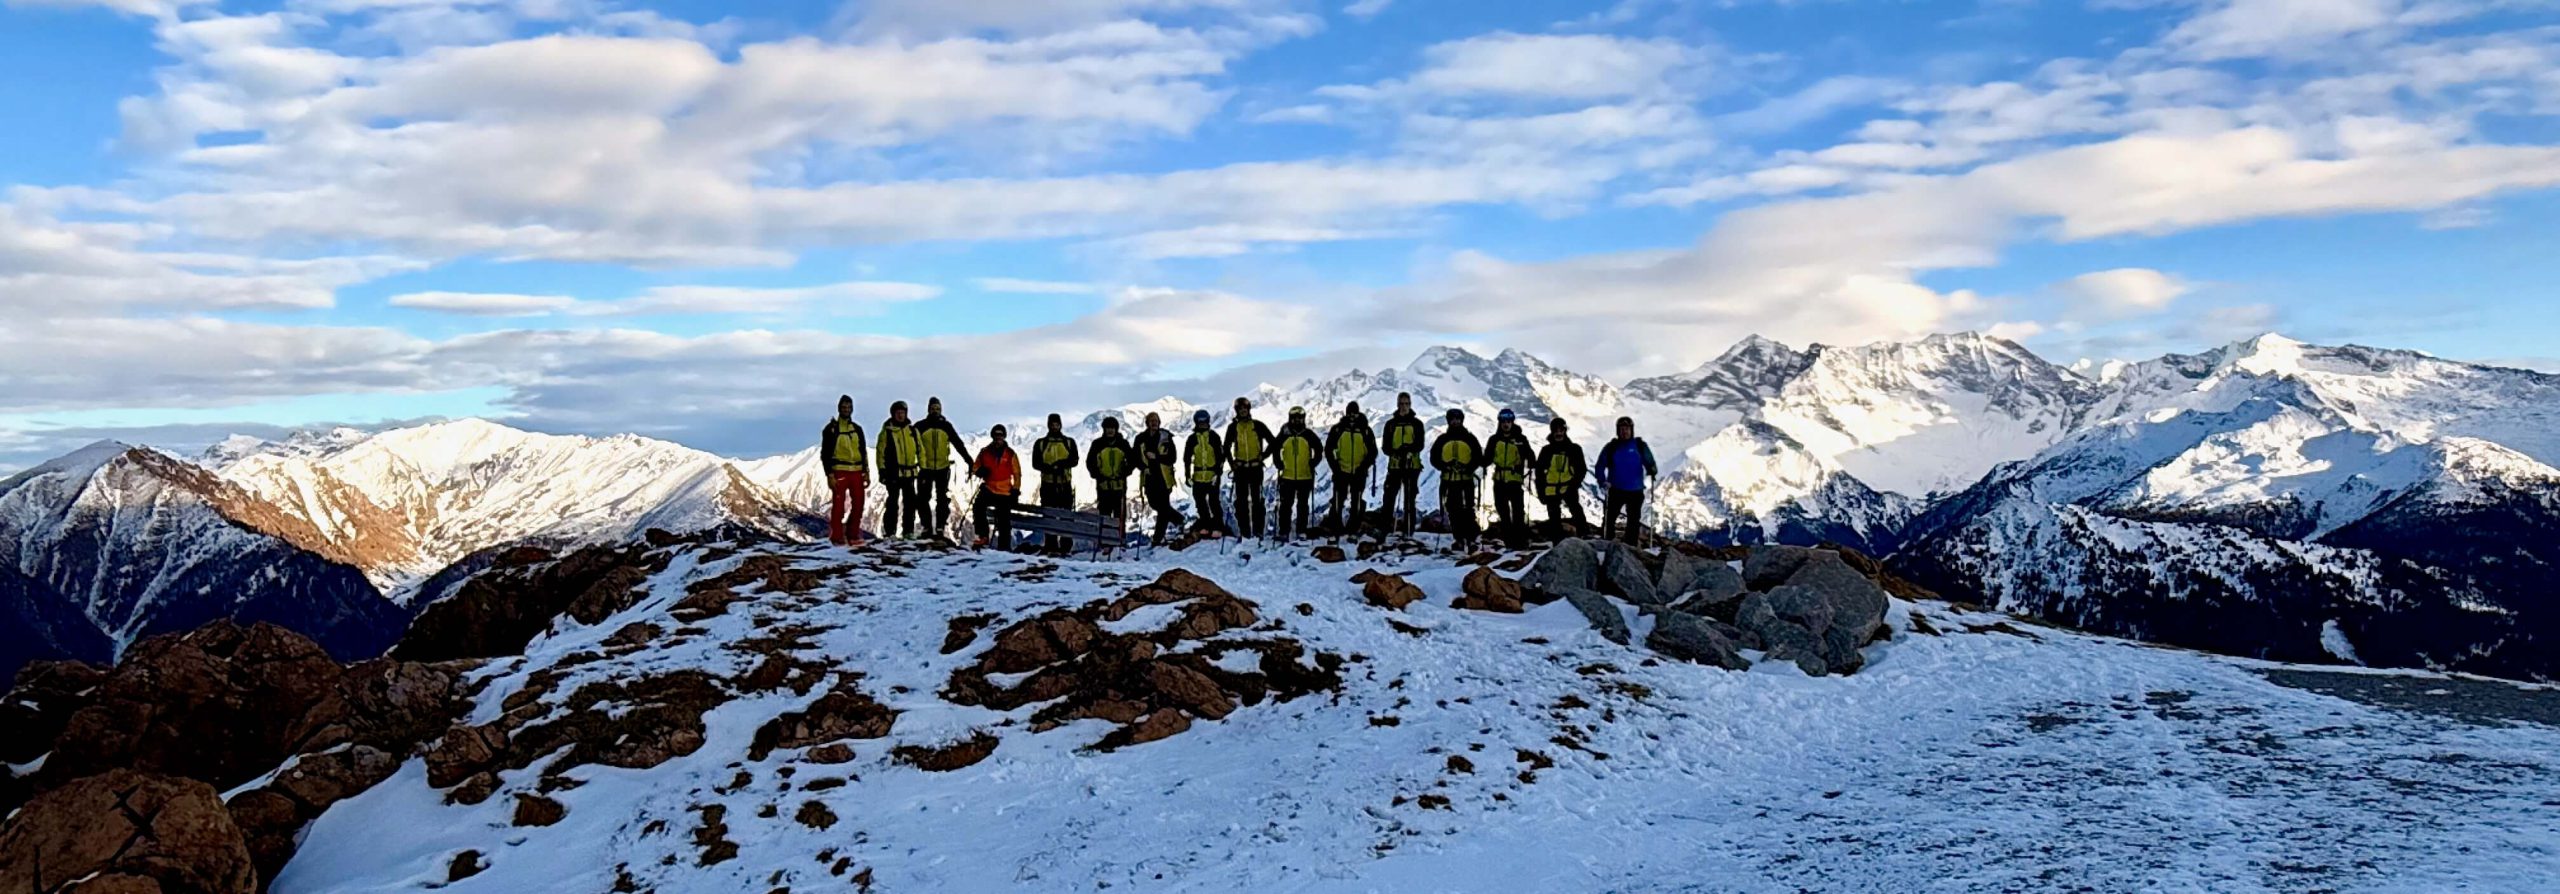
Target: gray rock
{"points": [[1857, 602], [1840, 650], [1770, 566], [1602, 613], [1691, 638], [1683, 574], [1710, 604], [1763, 628], [1623, 575], [1571, 564], [1804, 607]]}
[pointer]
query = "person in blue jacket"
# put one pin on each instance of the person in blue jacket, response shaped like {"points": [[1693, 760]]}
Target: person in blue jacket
{"points": [[1624, 469]]}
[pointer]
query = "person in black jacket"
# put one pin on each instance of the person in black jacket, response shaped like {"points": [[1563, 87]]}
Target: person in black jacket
{"points": [[1457, 454], [1159, 468], [1350, 453], [1298, 454], [936, 443], [1248, 443], [1054, 457], [1560, 473], [1402, 442]]}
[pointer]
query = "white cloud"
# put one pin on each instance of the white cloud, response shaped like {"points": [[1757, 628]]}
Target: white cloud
{"points": [[2124, 291], [678, 300], [940, 18], [1547, 66], [2233, 28], [1366, 9], [1032, 286], [154, 8], [484, 304]]}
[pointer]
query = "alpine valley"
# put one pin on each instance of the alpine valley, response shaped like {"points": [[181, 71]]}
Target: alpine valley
{"points": [[2267, 499]]}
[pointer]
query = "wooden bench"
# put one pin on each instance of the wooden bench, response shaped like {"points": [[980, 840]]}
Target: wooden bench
{"points": [[1091, 531]]}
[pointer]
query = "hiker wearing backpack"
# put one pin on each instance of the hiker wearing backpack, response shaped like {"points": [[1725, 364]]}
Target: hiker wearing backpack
{"points": [[1625, 466], [848, 468], [1402, 443], [1560, 473], [1054, 457], [1458, 455], [1509, 454], [1206, 456], [1350, 451], [1297, 456], [900, 458], [1248, 444], [1110, 463], [1158, 471], [999, 474], [936, 443]]}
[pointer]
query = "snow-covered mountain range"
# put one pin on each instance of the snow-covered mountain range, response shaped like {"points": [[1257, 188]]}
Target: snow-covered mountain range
{"points": [[2268, 497]]}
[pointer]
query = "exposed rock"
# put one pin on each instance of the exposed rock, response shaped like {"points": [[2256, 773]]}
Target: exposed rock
{"points": [[1163, 724], [1770, 566], [1720, 606], [1622, 574], [1691, 638], [41, 704], [839, 714], [815, 815], [388, 704], [830, 753], [1802, 606], [1207, 616], [1043, 640], [126, 831], [964, 631], [537, 810], [633, 725], [1685, 576], [1330, 555], [1857, 602], [1390, 591], [946, 758], [465, 865], [496, 613], [463, 751], [1188, 689], [217, 704], [1489, 591], [1602, 613], [1570, 564]]}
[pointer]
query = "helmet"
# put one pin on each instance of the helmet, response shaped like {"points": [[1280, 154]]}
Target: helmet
{"points": [[1456, 414], [1297, 411], [1200, 417], [1507, 415]]}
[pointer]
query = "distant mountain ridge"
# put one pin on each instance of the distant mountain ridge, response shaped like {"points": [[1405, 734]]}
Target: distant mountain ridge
{"points": [[2355, 501]]}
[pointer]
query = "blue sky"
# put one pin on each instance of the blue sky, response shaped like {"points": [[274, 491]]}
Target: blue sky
{"points": [[695, 222]]}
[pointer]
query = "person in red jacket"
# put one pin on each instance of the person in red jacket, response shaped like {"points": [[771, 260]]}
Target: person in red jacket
{"points": [[999, 474], [848, 467]]}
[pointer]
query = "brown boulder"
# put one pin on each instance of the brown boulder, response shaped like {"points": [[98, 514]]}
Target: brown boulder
{"points": [[839, 714], [388, 704], [1189, 689], [1206, 616], [946, 758], [1330, 555], [497, 612], [216, 704], [464, 751], [537, 810], [1049, 638], [41, 704], [126, 831], [1165, 723], [634, 725], [1489, 591], [1390, 591]]}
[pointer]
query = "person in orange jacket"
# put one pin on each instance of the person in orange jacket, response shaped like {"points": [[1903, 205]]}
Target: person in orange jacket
{"points": [[999, 474]]}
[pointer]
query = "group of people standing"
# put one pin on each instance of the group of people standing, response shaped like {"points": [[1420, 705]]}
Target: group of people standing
{"points": [[915, 459]]}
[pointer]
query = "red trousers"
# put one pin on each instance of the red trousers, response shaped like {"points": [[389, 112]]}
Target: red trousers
{"points": [[845, 487]]}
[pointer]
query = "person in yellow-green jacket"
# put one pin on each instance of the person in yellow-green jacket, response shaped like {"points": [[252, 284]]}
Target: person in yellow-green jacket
{"points": [[1458, 456], [936, 444], [1401, 441], [1206, 457], [1249, 443], [900, 458], [1110, 462], [1350, 452], [1159, 470], [1508, 453], [1054, 457], [1298, 454], [1560, 474], [841, 454]]}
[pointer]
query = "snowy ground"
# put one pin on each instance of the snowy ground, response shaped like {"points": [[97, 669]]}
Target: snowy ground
{"points": [[2004, 759]]}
